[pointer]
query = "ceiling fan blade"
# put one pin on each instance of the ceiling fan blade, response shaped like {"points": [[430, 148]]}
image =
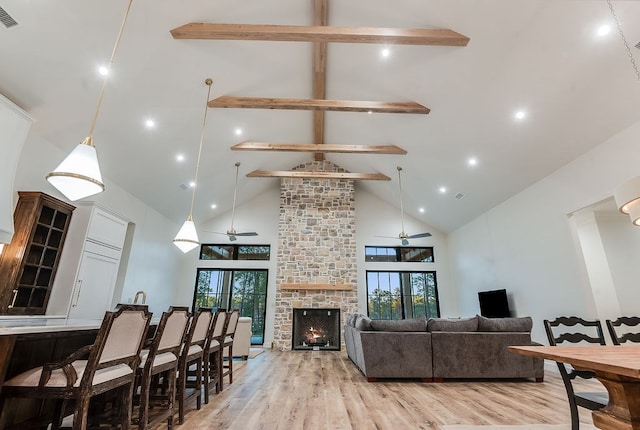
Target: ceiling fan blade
{"points": [[248, 233], [416, 236], [389, 237]]}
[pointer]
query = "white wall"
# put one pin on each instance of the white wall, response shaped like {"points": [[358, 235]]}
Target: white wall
{"points": [[528, 244], [374, 218], [154, 261], [621, 241]]}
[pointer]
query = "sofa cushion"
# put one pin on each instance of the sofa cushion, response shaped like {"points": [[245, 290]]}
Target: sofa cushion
{"points": [[413, 324], [522, 324], [457, 325], [363, 323]]}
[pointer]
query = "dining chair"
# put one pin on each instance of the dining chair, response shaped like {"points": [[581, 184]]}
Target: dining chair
{"points": [[576, 330], [192, 355], [227, 346], [108, 364], [161, 359], [624, 329]]}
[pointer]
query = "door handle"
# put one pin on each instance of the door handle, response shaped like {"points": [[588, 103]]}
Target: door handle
{"points": [[78, 293], [13, 301]]}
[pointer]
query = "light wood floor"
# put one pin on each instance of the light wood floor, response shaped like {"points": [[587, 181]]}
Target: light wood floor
{"points": [[324, 390]]}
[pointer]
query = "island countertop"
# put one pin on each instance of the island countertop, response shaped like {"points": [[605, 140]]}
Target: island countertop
{"points": [[45, 324]]}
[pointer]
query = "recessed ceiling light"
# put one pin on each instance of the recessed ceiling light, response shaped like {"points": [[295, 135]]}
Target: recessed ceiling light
{"points": [[238, 131], [385, 53], [520, 114], [213, 206], [421, 210], [603, 30], [192, 184], [103, 70], [180, 157], [150, 123], [442, 190], [473, 161], [369, 112]]}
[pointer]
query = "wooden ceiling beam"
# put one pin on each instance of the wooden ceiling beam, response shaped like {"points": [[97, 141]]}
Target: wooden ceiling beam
{"points": [[319, 148], [317, 175], [317, 104], [320, 33], [320, 18]]}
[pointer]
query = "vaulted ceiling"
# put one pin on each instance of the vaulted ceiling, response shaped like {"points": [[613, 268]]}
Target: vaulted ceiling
{"points": [[577, 89]]}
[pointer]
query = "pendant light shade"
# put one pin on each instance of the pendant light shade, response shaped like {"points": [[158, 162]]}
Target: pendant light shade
{"points": [[628, 195], [187, 237], [634, 213], [78, 176]]}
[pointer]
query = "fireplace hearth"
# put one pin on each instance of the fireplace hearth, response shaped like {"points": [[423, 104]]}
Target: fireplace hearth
{"points": [[316, 329]]}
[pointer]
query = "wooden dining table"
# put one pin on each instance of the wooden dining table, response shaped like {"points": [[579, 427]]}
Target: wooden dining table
{"points": [[617, 367]]}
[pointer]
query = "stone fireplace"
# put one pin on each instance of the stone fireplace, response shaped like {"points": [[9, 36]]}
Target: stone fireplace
{"points": [[316, 258]]}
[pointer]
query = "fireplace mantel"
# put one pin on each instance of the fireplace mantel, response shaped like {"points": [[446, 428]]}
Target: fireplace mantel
{"points": [[333, 287]]}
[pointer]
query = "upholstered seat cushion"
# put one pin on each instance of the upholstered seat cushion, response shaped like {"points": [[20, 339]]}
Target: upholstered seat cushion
{"points": [[160, 359], [31, 377]]}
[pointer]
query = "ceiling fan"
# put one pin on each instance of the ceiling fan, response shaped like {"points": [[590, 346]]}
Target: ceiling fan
{"points": [[404, 237], [231, 233]]}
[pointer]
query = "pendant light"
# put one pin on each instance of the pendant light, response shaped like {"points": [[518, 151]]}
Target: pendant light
{"points": [[187, 237], [78, 176]]}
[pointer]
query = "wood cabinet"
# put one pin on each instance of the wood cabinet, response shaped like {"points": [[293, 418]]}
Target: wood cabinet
{"points": [[29, 263]]}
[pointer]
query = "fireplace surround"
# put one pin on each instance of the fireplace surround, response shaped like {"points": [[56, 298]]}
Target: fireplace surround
{"points": [[316, 329]]}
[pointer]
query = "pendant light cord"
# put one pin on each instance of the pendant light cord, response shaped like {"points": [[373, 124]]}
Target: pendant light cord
{"points": [[624, 40], [401, 208], [204, 122], [104, 84]]}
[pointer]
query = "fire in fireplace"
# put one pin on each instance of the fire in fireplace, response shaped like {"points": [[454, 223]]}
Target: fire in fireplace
{"points": [[316, 329]]}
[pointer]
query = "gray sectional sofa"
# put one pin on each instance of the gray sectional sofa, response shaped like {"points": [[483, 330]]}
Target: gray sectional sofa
{"points": [[440, 348]]}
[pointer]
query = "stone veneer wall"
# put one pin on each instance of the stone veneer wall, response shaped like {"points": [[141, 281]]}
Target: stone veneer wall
{"points": [[316, 245]]}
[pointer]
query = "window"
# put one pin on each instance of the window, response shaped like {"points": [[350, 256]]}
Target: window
{"points": [[399, 254], [400, 295], [235, 252], [245, 290]]}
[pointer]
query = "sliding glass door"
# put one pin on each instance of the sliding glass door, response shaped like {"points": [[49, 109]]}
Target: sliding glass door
{"points": [[245, 290]]}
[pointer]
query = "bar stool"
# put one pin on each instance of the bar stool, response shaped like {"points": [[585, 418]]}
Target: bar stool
{"points": [[212, 359], [161, 358], [111, 364], [228, 346], [192, 354]]}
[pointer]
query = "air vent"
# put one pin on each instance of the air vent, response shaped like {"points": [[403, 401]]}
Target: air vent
{"points": [[6, 19], [183, 187], [637, 45], [459, 196]]}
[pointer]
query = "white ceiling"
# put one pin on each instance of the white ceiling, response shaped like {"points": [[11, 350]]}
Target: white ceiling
{"points": [[540, 56]]}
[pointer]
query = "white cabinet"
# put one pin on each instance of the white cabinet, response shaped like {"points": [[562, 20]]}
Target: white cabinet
{"points": [[94, 287], [88, 290], [14, 123]]}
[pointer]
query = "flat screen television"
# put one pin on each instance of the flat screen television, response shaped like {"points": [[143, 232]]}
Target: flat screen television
{"points": [[494, 304]]}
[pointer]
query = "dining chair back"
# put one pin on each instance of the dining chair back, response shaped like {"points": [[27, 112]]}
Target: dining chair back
{"points": [[624, 329], [576, 330]]}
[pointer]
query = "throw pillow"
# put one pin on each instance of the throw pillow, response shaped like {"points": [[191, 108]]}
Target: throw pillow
{"points": [[363, 323], [522, 324], [457, 325], [413, 324]]}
